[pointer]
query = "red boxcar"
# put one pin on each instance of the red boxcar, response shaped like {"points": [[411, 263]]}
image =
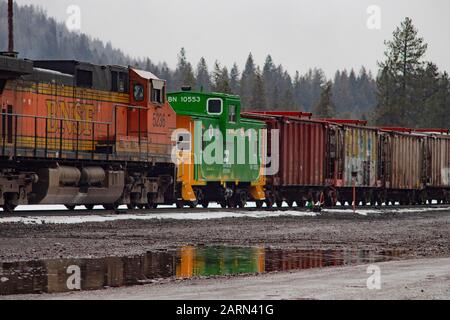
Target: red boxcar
{"points": [[303, 158]]}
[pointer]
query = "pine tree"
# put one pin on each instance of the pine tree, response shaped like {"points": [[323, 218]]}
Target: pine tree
{"points": [[184, 75], [234, 79], [258, 100], [270, 82], [398, 76], [325, 108], [203, 77], [287, 100], [221, 79], [318, 80], [248, 82]]}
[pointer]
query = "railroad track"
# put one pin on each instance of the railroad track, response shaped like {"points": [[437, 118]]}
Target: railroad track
{"points": [[86, 212]]}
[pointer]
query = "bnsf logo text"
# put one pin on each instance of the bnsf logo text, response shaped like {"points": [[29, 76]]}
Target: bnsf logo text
{"points": [[70, 111]]}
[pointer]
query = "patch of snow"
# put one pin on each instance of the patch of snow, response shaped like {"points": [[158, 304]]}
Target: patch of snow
{"points": [[384, 210], [159, 216]]}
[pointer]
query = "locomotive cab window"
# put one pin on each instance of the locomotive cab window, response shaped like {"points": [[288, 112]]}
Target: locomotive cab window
{"points": [[138, 92], [119, 82], [232, 114], [215, 106], [157, 91]]}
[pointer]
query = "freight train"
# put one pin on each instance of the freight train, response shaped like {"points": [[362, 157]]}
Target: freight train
{"points": [[328, 160], [80, 134]]}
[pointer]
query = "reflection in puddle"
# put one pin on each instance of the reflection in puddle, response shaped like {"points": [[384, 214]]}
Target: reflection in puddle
{"points": [[53, 276]]}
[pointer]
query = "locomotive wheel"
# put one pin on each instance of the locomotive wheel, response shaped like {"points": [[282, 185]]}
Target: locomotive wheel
{"points": [[70, 208], [259, 204], [290, 203], [223, 204], [89, 206], [205, 204], [279, 203], [131, 206]]}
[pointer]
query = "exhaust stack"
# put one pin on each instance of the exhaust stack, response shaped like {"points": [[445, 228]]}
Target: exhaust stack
{"points": [[10, 27], [10, 53]]}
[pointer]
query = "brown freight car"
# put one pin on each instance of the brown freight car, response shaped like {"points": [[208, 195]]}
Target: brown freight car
{"points": [[437, 153], [304, 163], [416, 165]]}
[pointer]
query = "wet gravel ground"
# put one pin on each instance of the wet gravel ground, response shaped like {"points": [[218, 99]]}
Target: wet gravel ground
{"points": [[415, 234]]}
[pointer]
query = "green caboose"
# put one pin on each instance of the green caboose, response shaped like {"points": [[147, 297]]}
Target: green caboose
{"points": [[219, 154]]}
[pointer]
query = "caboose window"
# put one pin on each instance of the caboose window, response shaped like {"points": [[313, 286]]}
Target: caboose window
{"points": [[84, 79], [215, 106], [232, 114]]}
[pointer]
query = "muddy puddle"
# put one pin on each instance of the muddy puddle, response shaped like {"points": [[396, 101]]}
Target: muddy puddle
{"points": [[65, 275]]}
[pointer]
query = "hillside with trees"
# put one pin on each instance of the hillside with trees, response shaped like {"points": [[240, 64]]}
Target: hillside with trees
{"points": [[408, 91]]}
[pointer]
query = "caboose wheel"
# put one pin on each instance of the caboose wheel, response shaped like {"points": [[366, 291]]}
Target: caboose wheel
{"points": [[89, 206], [70, 207], [259, 204], [205, 204], [241, 200], [232, 203]]}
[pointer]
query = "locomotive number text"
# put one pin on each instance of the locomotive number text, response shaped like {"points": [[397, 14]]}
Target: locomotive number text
{"points": [[159, 120]]}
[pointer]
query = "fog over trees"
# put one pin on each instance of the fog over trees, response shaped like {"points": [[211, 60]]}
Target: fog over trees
{"points": [[407, 91]]}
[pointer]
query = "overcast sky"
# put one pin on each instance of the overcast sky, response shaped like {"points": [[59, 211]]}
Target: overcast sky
{"points": [[300, 34]]}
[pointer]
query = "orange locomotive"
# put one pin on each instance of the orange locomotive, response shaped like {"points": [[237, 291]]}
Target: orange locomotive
{"points": [[75, 133]]}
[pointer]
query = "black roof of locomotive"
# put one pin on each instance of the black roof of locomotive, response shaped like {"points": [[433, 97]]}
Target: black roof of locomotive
{"points": [[11, 67], [101, 74]]}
